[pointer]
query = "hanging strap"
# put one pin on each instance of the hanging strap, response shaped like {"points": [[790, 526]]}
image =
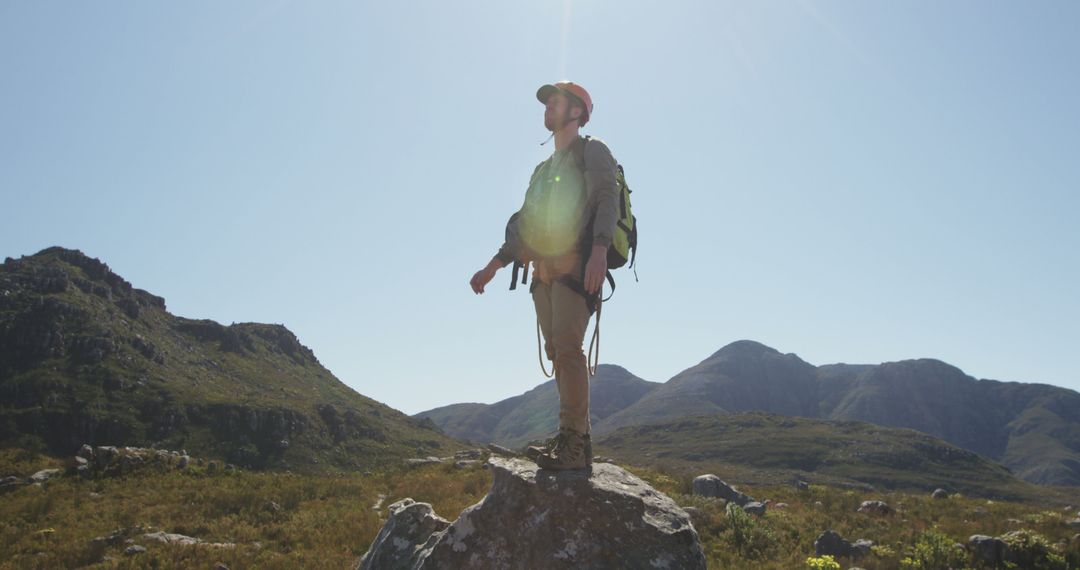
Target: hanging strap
{"points": [[590, 363], [540, 354], [514, 275]]}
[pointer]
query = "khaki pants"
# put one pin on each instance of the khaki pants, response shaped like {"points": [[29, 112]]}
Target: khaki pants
{"points": [[564, 316]]}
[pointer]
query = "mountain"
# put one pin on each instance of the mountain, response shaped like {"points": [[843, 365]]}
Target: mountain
{"points": [[1033, 429], [85, 357], [759, 448], [535, 414]]}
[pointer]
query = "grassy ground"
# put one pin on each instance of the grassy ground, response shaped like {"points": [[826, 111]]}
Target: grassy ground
{"points": [[329, 521]]}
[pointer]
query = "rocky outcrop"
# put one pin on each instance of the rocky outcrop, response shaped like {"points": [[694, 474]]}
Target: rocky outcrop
{"points": [[535, 518]]}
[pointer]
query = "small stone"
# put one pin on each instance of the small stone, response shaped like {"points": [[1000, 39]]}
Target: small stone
{"points": [[780, 506], [861, 547], [44, 475], [273, 507], [419, 461], [469, 454], [182, 463], [755, 508], [875, 507], [466, 463], [500, 450], [1074, 523], [86, 452], [940, 494], [134, 549]]}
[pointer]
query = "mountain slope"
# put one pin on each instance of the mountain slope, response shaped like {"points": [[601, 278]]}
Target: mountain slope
{"points": [[87, 358], [742, 376], [1033, 429], [535, 414]]}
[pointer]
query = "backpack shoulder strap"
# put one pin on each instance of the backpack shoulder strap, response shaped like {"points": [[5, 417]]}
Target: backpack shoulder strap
{"points": [[579, 151]]}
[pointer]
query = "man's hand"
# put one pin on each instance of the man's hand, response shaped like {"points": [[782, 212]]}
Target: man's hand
{"points": [[596, 269], [483, 276]]}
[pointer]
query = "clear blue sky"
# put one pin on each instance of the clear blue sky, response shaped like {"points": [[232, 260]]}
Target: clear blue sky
{"points": [[849, 181]]}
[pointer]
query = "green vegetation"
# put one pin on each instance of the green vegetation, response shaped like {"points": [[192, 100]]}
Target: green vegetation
{"points": [[328, 521], [87, 358]]}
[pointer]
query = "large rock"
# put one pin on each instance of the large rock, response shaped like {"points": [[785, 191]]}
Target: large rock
{"points": [[710, 485], [535, 518], [831, 543], [989, 549]]}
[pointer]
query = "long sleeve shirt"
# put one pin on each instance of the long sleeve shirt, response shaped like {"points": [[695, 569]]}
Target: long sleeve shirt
{"points": [[563, 199]]}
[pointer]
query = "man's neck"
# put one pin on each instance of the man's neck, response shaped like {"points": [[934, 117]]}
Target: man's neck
{"points": [[565, 136]]}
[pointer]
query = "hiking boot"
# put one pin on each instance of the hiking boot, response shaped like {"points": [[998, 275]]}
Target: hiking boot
{"points": [[570, 452], [535, 450]]}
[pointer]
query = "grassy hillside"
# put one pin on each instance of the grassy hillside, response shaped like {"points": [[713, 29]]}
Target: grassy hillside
{"points": [[286, 521], [87, 358], [761, 448]]}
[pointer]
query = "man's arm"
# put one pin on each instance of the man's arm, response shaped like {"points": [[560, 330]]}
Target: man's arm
{"points": [[603, 191]]}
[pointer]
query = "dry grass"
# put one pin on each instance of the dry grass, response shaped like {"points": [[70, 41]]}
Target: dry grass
{"points": [[329, 521]]}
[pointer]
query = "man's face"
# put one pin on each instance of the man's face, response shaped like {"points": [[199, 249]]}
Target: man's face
{"points": [[555, 113]]}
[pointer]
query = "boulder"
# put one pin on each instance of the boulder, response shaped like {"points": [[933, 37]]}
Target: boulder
{"points": [[989, 549], [534, 518], [939, 494], [831, 543], [1074, 523], [408, 535], [710, 485]]}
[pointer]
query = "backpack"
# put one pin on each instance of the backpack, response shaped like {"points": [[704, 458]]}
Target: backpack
{"points": [[625, 237]]}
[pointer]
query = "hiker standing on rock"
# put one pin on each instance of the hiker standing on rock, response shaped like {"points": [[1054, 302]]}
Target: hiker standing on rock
{"points": [[564, 229]]}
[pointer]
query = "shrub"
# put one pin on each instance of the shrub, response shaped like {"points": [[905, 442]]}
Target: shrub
{"points": [[825, 562], [934, 551], [748, 535], [1030, 550]]}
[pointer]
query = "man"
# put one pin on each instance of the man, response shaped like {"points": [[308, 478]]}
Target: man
{"points": [[566, 224]]}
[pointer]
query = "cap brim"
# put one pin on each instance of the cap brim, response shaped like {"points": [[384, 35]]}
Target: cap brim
{"points": [[544, 92]]}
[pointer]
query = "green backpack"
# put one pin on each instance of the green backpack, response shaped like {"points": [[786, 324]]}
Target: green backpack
{"points": [[624, 240]]}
